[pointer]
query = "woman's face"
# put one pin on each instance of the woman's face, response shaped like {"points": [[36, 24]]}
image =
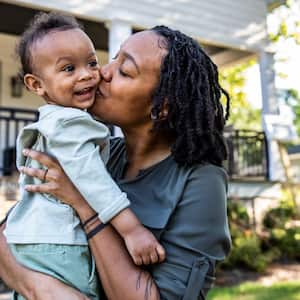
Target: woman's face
{"points": [[128, 82]]}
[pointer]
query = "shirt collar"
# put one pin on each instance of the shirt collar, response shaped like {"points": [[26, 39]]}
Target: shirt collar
{"points": [[47, 109]]}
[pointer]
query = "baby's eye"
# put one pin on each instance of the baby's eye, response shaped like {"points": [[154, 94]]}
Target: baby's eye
{"points": [[69, 68], [93, 63]]}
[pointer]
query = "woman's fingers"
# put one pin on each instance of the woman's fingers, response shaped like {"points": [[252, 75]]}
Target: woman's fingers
{"points": [[39, 188], [41, 157]]}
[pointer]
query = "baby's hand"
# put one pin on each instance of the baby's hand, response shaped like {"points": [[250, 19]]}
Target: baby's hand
{"points": [[143, 246]]}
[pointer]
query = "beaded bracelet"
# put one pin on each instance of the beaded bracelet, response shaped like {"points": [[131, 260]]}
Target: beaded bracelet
{"points": [[97, 229], [90, 219]]}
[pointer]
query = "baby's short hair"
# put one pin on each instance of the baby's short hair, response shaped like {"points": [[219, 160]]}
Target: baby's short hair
{"points": [[41, 25]]}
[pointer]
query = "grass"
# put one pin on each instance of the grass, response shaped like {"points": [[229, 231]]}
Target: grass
{"points": [[256, 291]]}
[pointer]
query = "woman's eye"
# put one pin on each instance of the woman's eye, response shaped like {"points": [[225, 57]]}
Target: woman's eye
{"points": [[69, 68], [116, 56], [123, 74], [93, 63]]}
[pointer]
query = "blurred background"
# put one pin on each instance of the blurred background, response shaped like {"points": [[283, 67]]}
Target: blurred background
{"points": [[256, 45]]}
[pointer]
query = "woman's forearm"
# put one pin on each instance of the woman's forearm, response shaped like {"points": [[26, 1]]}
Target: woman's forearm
{"points": [[12, 273], [120, 277]]}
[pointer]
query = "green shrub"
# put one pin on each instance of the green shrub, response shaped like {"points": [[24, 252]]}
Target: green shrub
{"points": [[287, 241], [246, 252], [282, 235], [279, 239], [246, 246], [279, 216]]}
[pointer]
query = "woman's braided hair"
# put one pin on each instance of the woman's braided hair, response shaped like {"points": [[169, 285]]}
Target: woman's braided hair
{"points": [[190, 86]]}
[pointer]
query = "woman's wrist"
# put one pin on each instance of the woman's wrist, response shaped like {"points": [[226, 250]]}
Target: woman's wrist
{"points": [[83, 209]]}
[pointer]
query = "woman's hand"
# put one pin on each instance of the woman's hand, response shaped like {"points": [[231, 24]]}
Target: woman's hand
{"points": [[55, 181]]}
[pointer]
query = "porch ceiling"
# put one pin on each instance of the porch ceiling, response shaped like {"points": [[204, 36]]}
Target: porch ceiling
{"points": [[14, 18], [226, 57]]}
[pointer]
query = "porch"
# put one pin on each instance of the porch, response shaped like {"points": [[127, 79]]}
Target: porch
{"points": [[248, 155]]}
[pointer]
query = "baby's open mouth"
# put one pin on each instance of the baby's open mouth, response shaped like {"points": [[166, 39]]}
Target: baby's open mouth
{"points": [[84, 91]]}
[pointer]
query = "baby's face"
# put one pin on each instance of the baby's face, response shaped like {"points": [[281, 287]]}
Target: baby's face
{"points": [[66, 63]]}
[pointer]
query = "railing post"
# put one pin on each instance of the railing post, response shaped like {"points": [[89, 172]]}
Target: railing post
{"points": [[10, 124]]}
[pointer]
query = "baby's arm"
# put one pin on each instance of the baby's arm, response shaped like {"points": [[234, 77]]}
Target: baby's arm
{"points": [[73, 143], [140, 242]]}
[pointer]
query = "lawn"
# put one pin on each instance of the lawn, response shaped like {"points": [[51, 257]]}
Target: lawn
{"points": [[255, 291]]}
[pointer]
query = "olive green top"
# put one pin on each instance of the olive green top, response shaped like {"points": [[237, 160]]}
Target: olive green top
{"points": [[185, 207]]}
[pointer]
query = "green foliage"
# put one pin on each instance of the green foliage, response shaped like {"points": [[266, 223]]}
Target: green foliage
{"points": [[246, 246], [243, 115], [256, 291], [283, 235], [280, 239], [278, 217], [286, 241], [288, 22], [286, 28], [246, 252], [292, 98]]}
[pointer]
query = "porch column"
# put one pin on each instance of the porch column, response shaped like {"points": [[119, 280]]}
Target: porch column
{"points": [[270, 106], [267, 78], [119, 31]]}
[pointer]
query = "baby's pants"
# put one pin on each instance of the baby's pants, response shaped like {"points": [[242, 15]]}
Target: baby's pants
{"points": [[71, 264]]}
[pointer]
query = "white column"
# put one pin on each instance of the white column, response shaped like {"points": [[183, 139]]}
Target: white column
{"points": [[119, 31], [270, 106], [268, 89]]}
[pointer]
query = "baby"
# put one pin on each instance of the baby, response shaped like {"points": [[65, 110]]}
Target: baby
{"points": [[60, 65]]}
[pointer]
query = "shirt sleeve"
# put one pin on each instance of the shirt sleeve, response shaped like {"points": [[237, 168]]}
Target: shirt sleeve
{"points": [[195, 236], [77, 143]]}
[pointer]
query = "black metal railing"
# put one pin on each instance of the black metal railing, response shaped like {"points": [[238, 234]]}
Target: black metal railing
{"points": [[12, 120], [248, 154]]}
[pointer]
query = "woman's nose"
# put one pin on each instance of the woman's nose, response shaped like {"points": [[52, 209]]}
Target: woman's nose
{"points": [[106, 73]]}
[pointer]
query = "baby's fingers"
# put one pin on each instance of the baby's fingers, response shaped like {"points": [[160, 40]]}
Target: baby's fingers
{"points": [[161, 253]]}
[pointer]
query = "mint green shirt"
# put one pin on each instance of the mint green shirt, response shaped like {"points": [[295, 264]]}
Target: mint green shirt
{"points": [[81, 145]]}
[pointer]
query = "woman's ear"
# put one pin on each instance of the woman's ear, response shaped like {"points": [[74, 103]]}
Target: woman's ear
{"points": [[165, 110], [34, 84]]}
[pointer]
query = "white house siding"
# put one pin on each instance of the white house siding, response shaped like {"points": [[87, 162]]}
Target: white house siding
{"points": [[232, 23], [9, 68]]}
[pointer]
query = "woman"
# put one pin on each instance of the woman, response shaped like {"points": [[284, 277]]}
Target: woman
{"points": [[163, 91]]}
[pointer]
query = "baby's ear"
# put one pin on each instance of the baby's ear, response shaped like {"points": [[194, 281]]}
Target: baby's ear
{"points": [[34, 84]]}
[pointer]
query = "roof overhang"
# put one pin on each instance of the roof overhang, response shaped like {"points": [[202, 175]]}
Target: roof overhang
{"points": [[14, 18]]}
